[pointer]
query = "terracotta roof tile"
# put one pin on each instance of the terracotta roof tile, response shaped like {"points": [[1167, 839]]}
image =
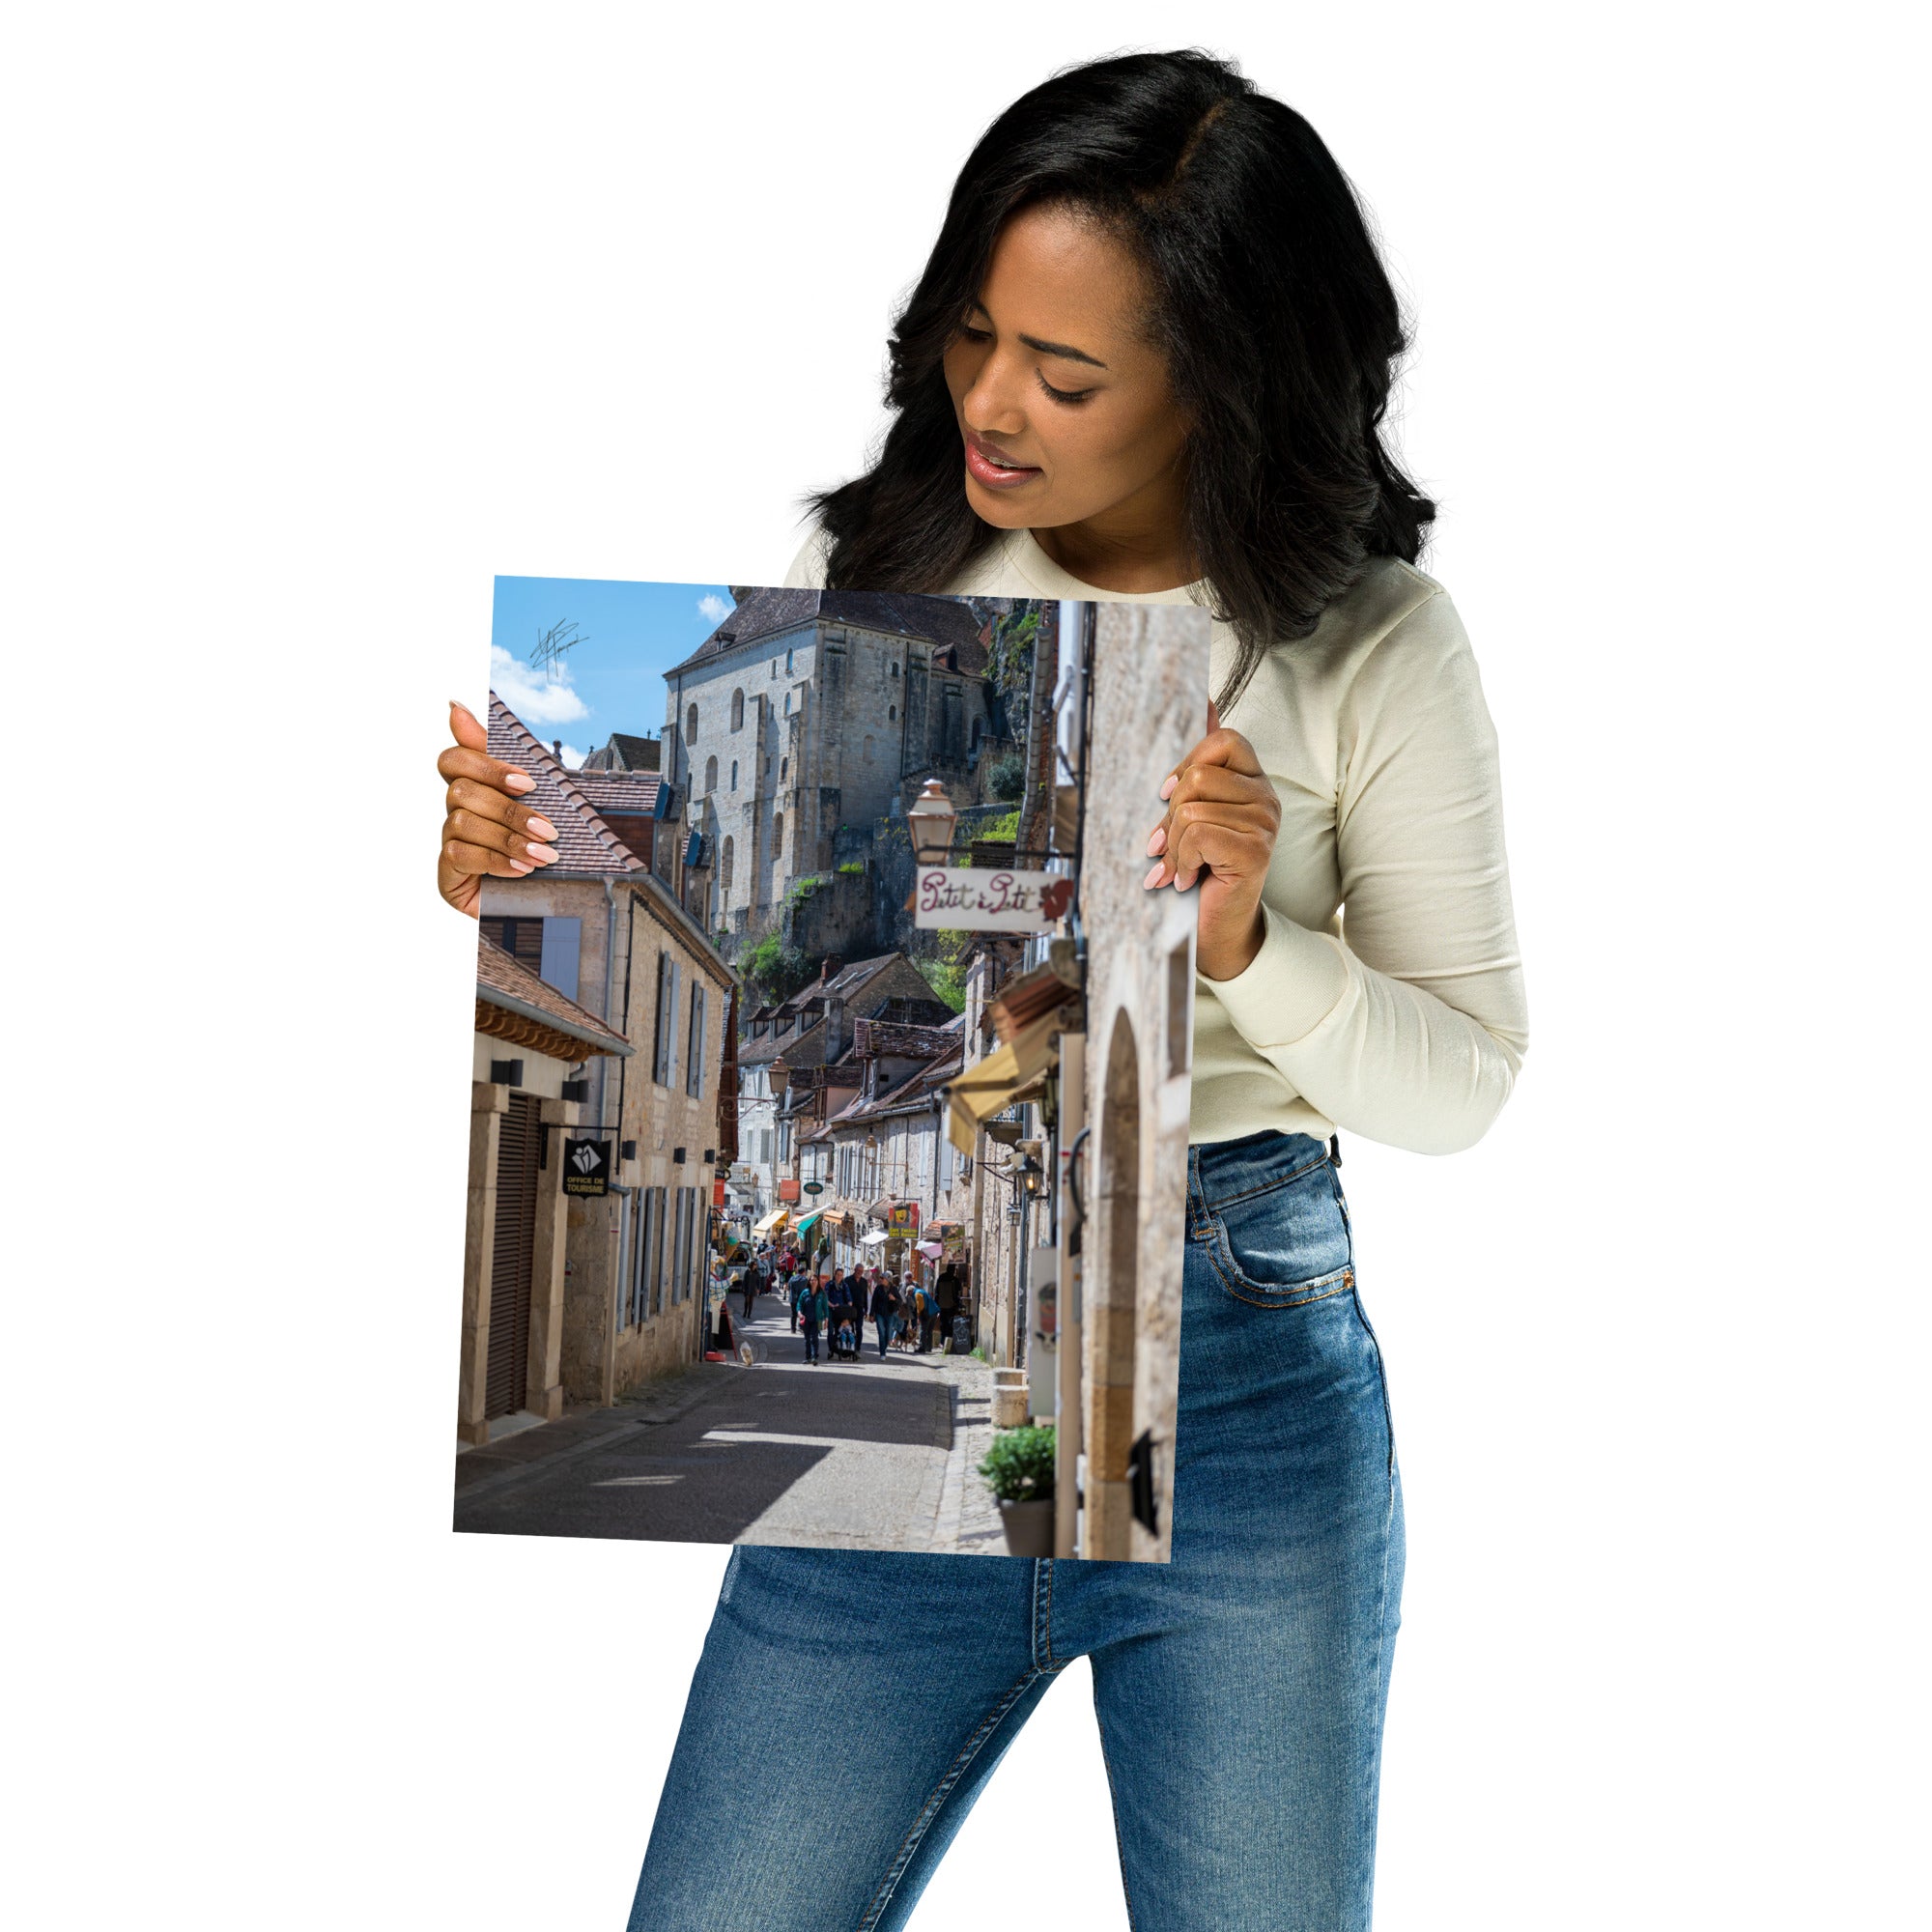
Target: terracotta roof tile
{"points": [[584, 843], [629, 794], [501, 976]]}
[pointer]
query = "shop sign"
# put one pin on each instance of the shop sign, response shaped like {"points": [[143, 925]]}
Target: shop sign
{"points": [[904, 1219], [718, 1192], [989, 898], [787, 1190], [586, 1169], [952, 1244], [815, 1187]]}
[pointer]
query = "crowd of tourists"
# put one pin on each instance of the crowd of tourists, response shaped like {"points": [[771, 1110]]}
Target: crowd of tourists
{"points": [[838, 1312]]}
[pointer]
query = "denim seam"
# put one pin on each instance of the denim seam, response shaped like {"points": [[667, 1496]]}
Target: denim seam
{"points": [[1120, 1832], [1370, 1781], [1266, 1186], [968, 1751], [1043, 1620]]}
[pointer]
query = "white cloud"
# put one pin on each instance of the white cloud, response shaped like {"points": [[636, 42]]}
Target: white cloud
{"points": [[713, 608], [572, 758], [536, 697]]}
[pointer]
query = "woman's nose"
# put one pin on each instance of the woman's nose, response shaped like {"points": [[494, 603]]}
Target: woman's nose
{"points": [[991, 405]]}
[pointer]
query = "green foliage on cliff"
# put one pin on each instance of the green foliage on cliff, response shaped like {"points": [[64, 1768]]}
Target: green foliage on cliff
{"points": [[1008, 779], [774, 969]]}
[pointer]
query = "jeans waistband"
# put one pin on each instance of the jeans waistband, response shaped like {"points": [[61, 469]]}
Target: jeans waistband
{"points": [[1222, 1171]]}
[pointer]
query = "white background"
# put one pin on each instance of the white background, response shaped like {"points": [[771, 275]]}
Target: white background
{"points": [[317, 318]]}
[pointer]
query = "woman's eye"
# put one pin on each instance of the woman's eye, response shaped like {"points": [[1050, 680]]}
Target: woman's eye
{"points": [[1063, 395], [973, 335]]}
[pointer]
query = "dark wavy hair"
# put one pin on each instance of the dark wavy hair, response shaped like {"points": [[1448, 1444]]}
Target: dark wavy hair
{"points": [[1278, 323]]}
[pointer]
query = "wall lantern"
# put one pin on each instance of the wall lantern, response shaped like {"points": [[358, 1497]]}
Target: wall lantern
{"points": [[932, 819], [506, 1073], [576, 1089], [627, 1149]]}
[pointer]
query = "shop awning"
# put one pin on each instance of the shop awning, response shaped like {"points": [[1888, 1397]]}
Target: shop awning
{"points": [[877, 1238], [816, 1214], [988, 1086], [772, 1222]]}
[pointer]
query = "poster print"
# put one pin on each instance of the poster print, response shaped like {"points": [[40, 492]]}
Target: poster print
{"points": [[829, 1099]]}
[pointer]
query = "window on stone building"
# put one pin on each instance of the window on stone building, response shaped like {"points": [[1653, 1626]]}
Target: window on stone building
{"points": [[788, 657], [735, 774], [869, 751], [778, 835], [664, 1051], [787, 709], [785, 767], [547, 947], [737, 711], [693, 1066], [711, 774], [891, 714], [691, 726], [725, 865]]}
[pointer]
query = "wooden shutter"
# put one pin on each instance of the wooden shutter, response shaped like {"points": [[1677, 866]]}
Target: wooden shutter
{"points": [[661, 1044], [512, 1258]]}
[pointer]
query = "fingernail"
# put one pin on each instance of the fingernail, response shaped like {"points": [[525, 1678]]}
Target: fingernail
{"points": [[518, 866], [541, 828], [519, 781], [1158, 843], [1153, 878], [1167, 790], [542, 854]]}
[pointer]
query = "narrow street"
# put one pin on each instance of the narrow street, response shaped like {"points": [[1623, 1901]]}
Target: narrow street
{"points": [[872, 1455]]}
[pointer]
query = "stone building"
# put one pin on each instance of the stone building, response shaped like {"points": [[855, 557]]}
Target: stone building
{"points": [[532, 1043], [809, 711], [606, 929], [1149, 671]]}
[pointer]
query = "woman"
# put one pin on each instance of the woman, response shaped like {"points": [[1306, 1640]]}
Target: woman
{"points": [[1149, 358]]}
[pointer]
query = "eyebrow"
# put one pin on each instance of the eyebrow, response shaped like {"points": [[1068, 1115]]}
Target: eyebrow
{"points": [[1062, 349]]}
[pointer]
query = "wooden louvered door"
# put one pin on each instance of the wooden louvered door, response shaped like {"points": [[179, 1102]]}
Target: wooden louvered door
{"points": [[513, 1262]]}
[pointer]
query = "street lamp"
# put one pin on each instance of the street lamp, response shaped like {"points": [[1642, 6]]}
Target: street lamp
{"points": [[932, 819]]}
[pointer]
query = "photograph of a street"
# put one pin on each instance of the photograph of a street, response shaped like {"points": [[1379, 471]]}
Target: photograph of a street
{"points": [[839, 989], [874, 1455]]}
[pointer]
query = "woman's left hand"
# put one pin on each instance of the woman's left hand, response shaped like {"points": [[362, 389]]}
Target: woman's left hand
{"points": [[1222, 818]]}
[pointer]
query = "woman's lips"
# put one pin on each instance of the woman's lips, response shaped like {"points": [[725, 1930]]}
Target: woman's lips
{"points": [[997, 473]]}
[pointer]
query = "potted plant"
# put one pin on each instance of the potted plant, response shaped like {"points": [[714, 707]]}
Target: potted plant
{"points": [[1018, 1470]]}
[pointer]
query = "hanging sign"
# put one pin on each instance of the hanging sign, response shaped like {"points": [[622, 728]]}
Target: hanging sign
{"points": [[989, 898], [903, 1218], [586, 1168]]}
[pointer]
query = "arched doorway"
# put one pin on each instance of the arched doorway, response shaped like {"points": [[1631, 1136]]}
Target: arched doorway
{"points": [[1113, 1304]]}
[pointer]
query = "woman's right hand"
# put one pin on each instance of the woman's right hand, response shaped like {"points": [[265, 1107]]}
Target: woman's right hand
{"points": [[486, 833]]}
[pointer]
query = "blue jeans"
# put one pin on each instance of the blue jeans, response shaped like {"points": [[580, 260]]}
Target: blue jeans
{"points": [[1239, 1687], [879, 1327]]}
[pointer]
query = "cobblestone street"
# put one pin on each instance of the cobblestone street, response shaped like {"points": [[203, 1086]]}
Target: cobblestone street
{"points": [[872, 1455]]}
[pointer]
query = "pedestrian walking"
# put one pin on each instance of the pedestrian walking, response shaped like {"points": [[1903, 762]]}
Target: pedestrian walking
{"points": [[928, 1315], [880, 1308], [813, 1311]]}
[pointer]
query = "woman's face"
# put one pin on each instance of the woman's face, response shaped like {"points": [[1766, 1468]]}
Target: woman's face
{"points": [[1064, 408]]}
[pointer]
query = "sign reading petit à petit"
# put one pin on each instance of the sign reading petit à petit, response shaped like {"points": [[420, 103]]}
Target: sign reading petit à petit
{"points": [[988, 899]]}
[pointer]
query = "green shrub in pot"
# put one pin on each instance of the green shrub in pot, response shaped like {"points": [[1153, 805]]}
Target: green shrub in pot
{"points": [[1018, 1467]]}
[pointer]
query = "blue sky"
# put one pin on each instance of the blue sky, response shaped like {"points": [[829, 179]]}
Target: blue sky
{"points": [[631, 633]]}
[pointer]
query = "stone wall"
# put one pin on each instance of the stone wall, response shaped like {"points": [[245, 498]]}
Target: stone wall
{"points": [[1150, 706]]}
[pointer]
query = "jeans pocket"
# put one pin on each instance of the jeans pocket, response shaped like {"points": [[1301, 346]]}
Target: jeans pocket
{"points": [[1286, 1243]]}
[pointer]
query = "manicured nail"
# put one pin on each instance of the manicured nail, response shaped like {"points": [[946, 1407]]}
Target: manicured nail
{"points": [[1158, 843], [1167, 790], [541, 828], [542, 854], [1153, 878], [518, 866], [518, 782]]}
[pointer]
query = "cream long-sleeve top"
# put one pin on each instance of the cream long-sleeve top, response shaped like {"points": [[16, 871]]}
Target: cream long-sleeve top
{"points": [[1387, 998]]}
